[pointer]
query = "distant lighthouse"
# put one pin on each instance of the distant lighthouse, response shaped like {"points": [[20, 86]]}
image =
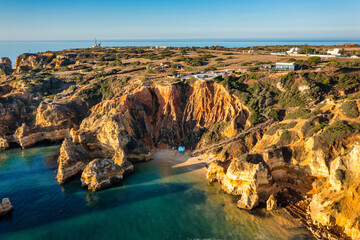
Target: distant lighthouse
{"points": [[96, 45]]}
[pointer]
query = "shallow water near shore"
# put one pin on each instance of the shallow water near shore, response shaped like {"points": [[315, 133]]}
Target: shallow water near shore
{"points": [[158, 201]]}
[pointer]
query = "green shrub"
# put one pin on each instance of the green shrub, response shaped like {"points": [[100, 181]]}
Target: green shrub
{"points": [[313, 60], [350, 109], [286, 136], [347, 81], [290, 125], [298, 113], [214, 135], [253, 69], [292, 98], [331, 67], [338, 130], [245, 63], [273, 129], [318, 127], [256, 117], [288, 80], [275, 114]]}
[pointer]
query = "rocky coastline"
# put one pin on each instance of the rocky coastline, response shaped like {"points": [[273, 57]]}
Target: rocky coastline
{"points": [[305, 160]]}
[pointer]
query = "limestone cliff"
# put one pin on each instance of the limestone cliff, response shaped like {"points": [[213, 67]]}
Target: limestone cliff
{"points": [[27, 118], [168, 114], [337, 198], [119, 129], [249, 177], [315, 152], [73, 159], [28, 61]]}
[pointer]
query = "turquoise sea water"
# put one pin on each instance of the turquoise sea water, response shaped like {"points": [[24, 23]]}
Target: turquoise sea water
{"points": [[158, 201], [12, 49]]}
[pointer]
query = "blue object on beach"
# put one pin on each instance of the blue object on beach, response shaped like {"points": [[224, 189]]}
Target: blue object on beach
{"points": [[181, 149]]}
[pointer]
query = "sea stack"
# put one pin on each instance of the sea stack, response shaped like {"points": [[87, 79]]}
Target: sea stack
{"points": [[5, 207]]}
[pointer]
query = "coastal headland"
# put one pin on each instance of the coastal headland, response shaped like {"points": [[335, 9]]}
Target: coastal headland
{"points": [[280, 131]]}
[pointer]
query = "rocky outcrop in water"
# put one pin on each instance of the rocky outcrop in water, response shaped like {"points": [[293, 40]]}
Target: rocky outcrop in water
{"points": [[5, 207], [101, 173], [72, 160], [248, 177]]}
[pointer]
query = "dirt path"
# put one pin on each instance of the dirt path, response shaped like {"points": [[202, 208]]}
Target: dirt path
{"points": [[233, 139]]}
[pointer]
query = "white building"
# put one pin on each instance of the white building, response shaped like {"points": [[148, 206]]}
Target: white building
{"points": [[293, 50], [336, 51]]}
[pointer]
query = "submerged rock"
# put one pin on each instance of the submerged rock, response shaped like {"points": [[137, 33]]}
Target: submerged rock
{"points": [[101, 173]]}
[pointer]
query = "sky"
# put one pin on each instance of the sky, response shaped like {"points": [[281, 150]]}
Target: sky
{"points": [[179, 19]]}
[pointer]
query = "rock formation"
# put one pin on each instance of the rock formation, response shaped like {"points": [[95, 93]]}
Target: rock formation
{"points": [[73, 159], [337, 198], [49, 60], [248, 177], [5, 66], [299, 155], [101, 173], [119, 129], [5, 207], [296, 156], [271, 203]]}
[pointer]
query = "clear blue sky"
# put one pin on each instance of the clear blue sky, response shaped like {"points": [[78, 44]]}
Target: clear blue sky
{"points": [[155, 19]]}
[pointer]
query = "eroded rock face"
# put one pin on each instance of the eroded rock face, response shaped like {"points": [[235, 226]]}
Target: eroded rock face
{"points": [[101, 173], [25, 138], [279, 162], [26, 120], [164, 115], [112, 142], [337, 201], [72, 160], [271, 203], [3, 144], [55, 114], [28, 61], [5, 66], [119, 129], [249, 177]]}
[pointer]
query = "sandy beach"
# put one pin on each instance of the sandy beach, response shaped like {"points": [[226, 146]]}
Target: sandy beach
{"points": [[196, 164]]}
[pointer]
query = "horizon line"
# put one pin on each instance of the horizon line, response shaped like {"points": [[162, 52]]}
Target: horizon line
{"points": [[192, 39]]}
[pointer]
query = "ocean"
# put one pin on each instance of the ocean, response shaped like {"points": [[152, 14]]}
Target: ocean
{"points": [[12, 49], [158, 201]]}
